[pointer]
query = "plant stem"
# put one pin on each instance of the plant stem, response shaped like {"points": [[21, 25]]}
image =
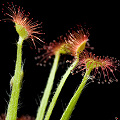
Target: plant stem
{"points": [[44, 101], [58, 90], [68, 111], [13, 104]]}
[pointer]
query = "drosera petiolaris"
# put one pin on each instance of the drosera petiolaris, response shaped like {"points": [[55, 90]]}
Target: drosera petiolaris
{"points": [[26, 29], [74, 44]]}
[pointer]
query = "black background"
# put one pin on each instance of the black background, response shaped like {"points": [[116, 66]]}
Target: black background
{"points": [[96, 101]]}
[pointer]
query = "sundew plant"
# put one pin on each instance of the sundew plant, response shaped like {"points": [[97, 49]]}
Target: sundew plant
{"points": [[74, 45]]}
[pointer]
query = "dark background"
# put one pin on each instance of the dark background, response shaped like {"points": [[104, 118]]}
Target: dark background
{"points": [[96, 101]]}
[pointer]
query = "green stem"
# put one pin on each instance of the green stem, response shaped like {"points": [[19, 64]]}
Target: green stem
{"points": [[58, 90], [13, 104], [68, 111], [44, 101]]}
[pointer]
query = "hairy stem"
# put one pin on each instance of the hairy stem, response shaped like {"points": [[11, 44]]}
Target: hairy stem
{"points": [[44, 101], [58, 90], [68, 111], [13, 104]]}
